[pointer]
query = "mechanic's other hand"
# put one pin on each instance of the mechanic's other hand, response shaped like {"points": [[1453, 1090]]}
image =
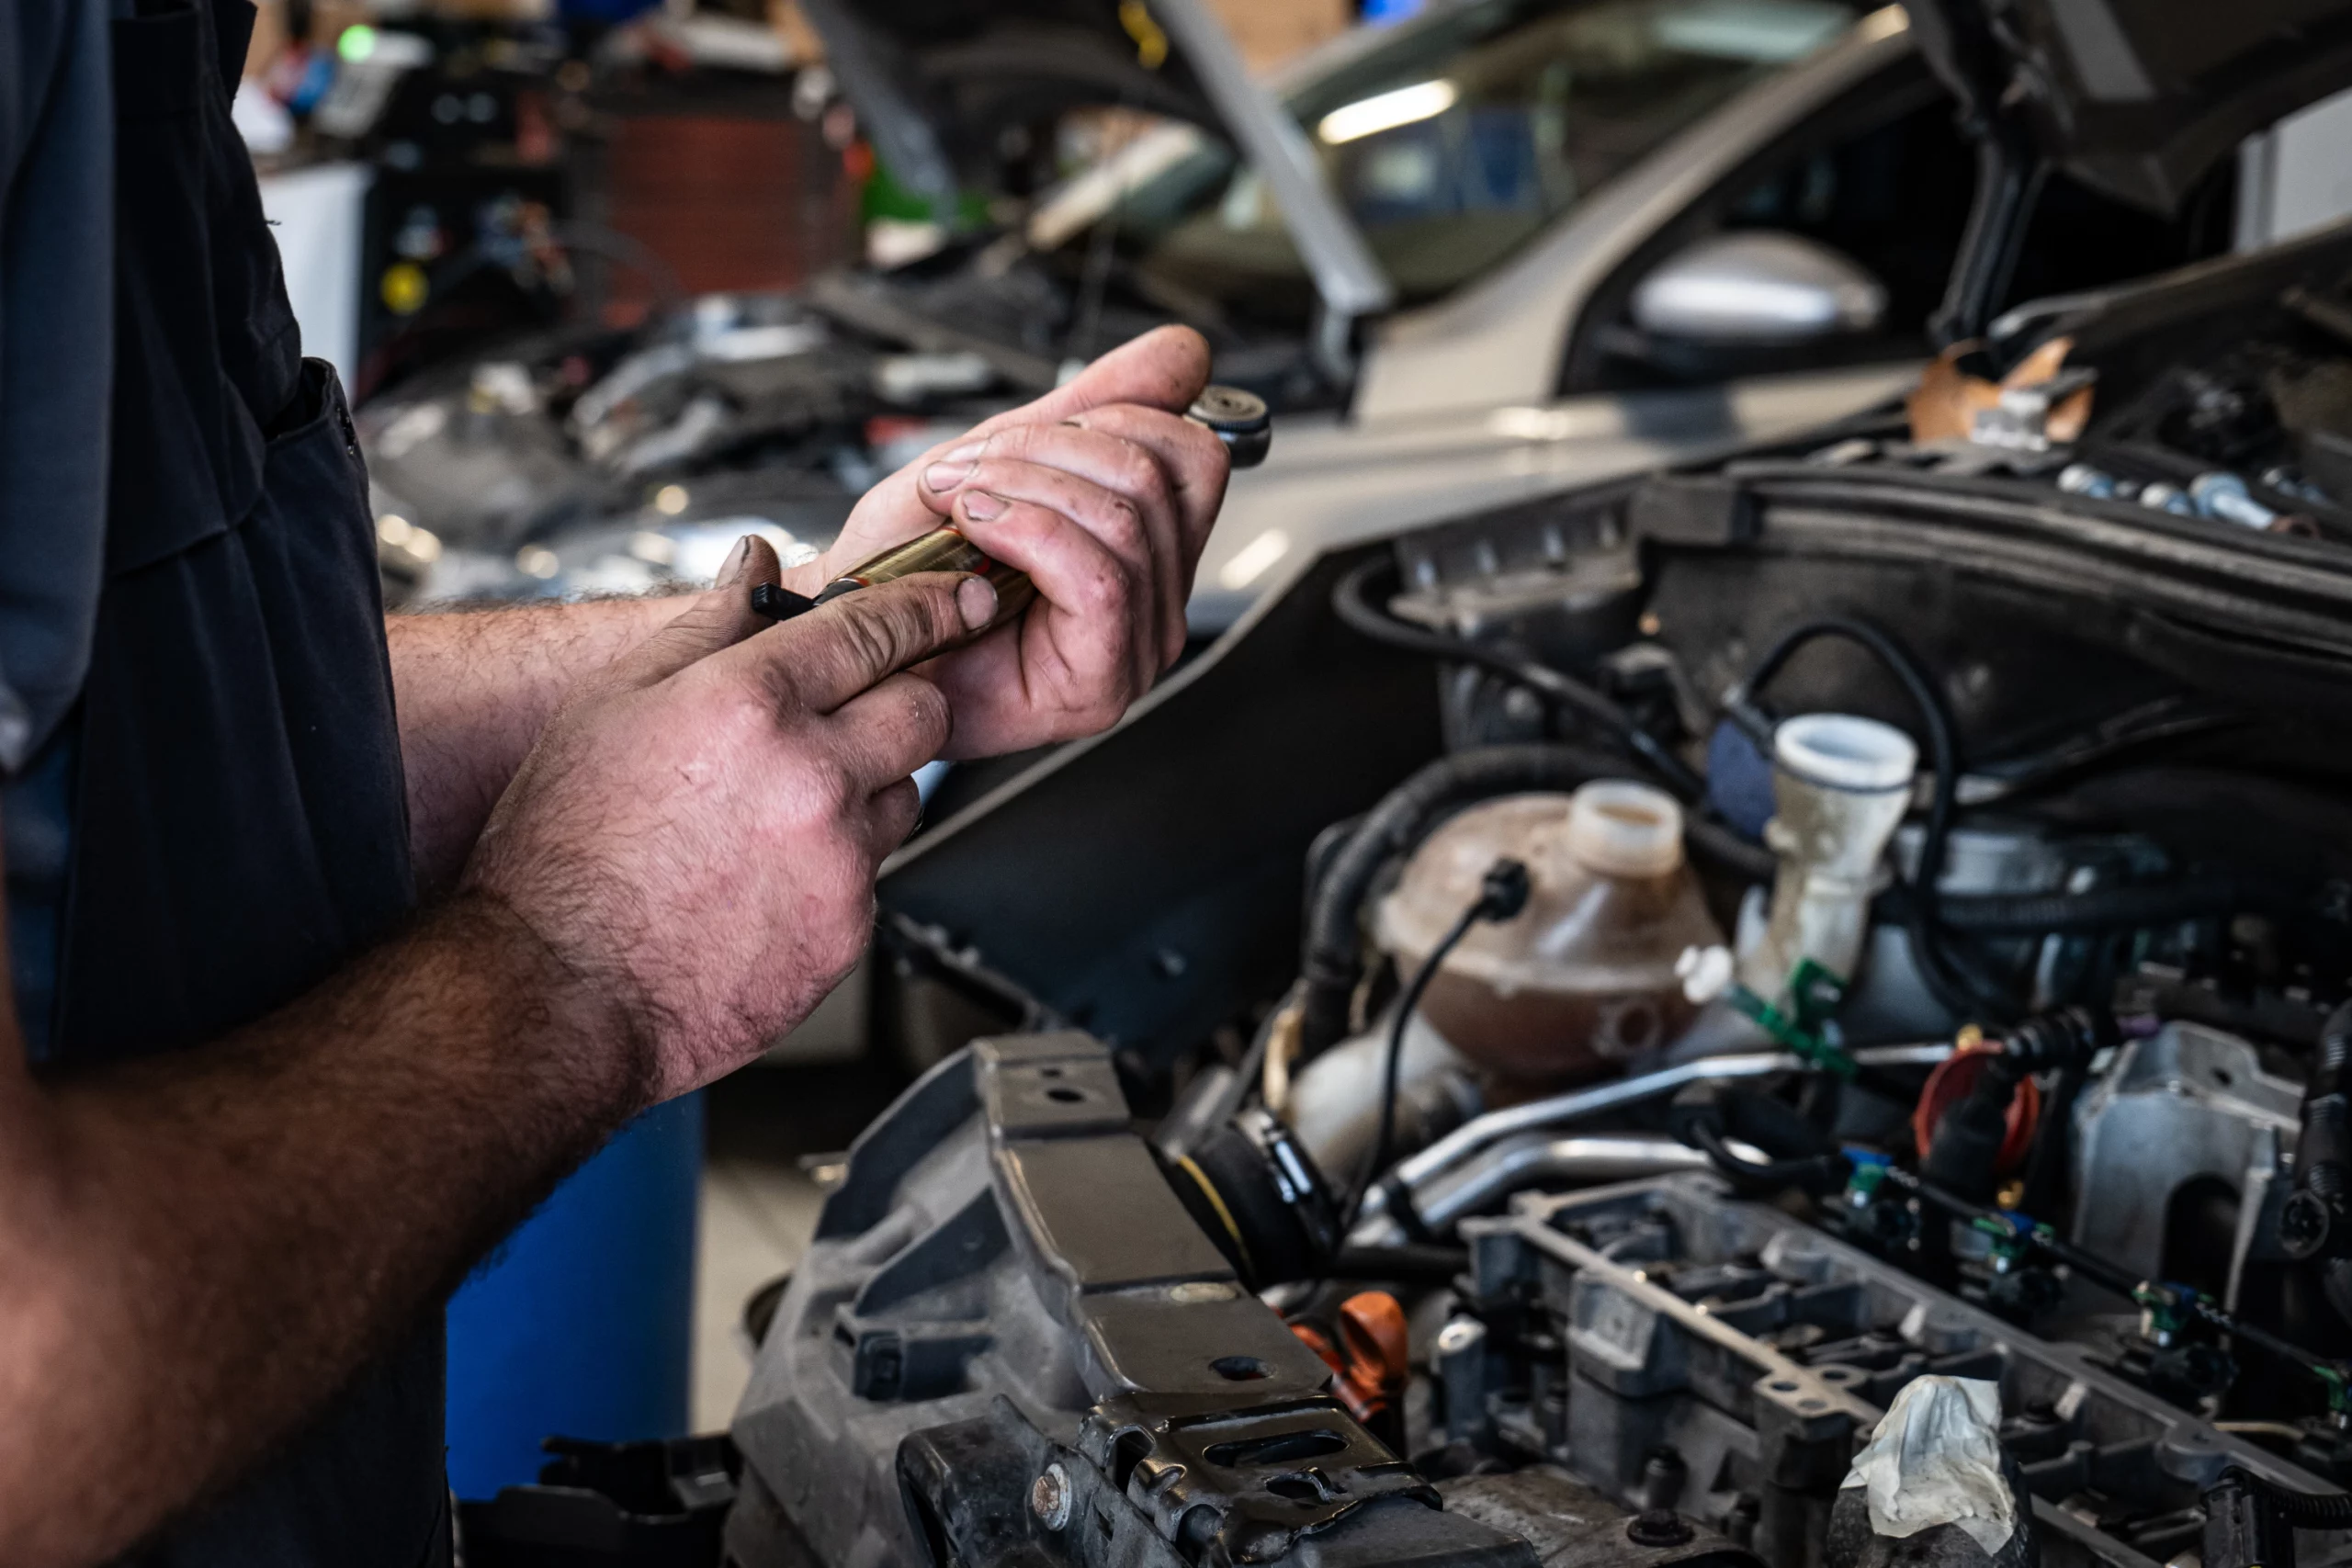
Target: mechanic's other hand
{"points": [[695, 835], [1103, 493]]}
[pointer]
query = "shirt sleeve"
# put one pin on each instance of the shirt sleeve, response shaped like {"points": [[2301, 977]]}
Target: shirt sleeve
{"points": [[56, 355]]}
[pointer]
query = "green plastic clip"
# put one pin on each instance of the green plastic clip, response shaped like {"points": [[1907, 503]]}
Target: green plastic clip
{"points": [[1816, 993], [2013, 1236], [2165, 1309], [1867, 1175], [2336, 1378]]}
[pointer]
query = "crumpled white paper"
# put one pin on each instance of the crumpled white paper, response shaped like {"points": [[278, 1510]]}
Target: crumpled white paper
{"points": [[1935, 1459]]}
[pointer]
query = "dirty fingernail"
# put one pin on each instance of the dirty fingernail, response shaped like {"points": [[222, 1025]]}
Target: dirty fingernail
{"points": [[732, 567], [981, 506], [976, 601], [945, 476]]}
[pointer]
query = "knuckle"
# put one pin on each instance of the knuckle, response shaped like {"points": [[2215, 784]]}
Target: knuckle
{"points": [[1120, 524], [1110, 518], [774, 690], [744, 710], [870, 631], [820, 788], [1106, 591], [1008, 440], [930, 621], [1137, 473], [931, 716]]}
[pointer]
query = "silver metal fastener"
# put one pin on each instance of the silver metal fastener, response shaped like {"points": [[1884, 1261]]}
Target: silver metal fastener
{"points": [[1049, 1497]]}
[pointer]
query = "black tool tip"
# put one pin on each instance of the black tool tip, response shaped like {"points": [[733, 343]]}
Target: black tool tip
{"points": [[778, 602]]}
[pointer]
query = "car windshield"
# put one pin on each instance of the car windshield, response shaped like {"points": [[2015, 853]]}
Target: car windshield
{"points": [[1452, 142]]}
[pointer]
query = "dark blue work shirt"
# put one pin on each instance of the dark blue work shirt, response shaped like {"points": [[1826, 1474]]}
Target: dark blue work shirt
{"points": [[56, 359]]}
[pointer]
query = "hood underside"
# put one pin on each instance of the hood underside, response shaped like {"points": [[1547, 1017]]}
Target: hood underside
{"points": [[2139, 99], [938, 81]]}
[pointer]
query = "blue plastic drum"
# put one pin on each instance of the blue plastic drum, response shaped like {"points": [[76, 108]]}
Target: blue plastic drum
{"points": [[580, 1324]]}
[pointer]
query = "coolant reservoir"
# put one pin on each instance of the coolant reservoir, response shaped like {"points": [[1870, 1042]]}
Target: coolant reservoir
{"points": [[1584, 976]]}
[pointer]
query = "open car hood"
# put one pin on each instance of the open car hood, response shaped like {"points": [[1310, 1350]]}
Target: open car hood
{"points": [[937, 82], [2139, 99]]}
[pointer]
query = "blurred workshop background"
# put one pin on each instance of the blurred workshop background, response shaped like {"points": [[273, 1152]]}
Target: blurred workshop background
{"points": [[440, 172]]}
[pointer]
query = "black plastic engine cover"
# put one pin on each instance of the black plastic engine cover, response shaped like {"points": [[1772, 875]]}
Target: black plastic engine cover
{"points": [[1009, 1343]]}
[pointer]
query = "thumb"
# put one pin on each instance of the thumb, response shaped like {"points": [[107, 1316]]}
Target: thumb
{"points": [[851, 644], [720, 617], [1165, 368]]}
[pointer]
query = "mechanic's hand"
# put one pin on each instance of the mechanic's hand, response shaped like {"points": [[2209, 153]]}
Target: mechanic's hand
{"points": [[695, 834], [1104, 494]]}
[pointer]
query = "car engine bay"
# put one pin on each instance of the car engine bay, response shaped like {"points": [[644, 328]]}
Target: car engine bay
{"points": [[1789, 1012]]}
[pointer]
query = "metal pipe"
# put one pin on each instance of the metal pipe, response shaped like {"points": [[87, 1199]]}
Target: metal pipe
{"points": [[1592, 1158], [1579, 1105]]}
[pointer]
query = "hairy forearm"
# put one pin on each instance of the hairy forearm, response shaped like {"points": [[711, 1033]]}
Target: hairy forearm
{"points": [[474, 689], [197, 1248]]}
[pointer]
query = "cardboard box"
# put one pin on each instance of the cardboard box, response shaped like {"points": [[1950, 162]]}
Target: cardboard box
{"points": [[1270, 31]]}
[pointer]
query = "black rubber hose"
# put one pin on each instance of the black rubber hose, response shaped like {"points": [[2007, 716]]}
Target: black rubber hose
{"points": [[2323, 1151], [1726, 851], [2046, 1164], [1350, 600], [2068, 1039], [1502, 894], [1384, 1142], [1965, 1145], [1807, 1170], [2112, 909], [1708, 1116], [1408, 1263], [2304, 1510]]}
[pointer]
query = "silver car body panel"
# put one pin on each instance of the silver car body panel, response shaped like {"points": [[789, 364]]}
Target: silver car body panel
{"points": [[1456, 407], [1501, 341], [1331, 481]]}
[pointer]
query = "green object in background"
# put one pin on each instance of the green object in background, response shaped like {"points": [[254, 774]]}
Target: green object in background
{"points": [[884, 197]]}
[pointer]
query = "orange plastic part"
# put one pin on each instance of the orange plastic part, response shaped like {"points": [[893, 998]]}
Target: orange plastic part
{"points": [[1374, 1358], [1950, 1083], [1374, 1340]]}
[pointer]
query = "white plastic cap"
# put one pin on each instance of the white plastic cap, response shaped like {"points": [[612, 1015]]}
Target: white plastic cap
{"points": [[1617, 827], [1706, 973], [1844, 752]]}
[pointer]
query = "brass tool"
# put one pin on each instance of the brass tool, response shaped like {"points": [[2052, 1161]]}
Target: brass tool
{"points": [[1238, 418]]}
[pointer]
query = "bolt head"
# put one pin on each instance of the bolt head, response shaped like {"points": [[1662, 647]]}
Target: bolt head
{"points": [[2303, 1225], [1460, 1334], [1659, 1527], [1049, 1497]]}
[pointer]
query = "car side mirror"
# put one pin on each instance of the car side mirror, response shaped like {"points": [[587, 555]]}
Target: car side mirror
{"points": [[1758, 288]]}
